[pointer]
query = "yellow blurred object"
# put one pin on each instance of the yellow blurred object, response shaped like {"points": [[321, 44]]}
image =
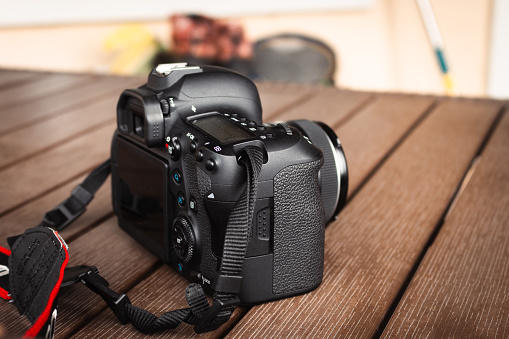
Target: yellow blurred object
{"points": [[135, 47], [450, 88]]}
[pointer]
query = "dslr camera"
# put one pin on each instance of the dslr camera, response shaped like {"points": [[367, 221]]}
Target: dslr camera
{"points": [[176, 178]]}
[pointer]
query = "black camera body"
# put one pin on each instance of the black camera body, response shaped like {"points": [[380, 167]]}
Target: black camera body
{"points": [[176, 178]]}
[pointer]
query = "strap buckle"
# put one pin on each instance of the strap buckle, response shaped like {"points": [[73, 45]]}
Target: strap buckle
{"points": [[68, 210], [75, 274], [117, 302], [207, 321]]}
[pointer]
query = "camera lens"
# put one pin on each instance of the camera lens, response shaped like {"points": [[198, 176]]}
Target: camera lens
{"points": [[333, 175]]}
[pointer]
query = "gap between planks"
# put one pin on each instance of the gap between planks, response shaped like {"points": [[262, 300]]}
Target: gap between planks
{"points": [[449, 208]]}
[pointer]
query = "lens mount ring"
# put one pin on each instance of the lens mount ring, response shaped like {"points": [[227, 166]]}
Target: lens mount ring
{"points": [[341, 166]]}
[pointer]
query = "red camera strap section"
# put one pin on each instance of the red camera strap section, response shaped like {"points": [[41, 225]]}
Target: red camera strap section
{"points": [[34, 272], [4, 273]]}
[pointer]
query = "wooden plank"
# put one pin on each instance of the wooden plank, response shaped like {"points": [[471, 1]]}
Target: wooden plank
{"points": [[106, 325], [33, 111], [329, 105], [30, 214], [461, 289], [47, 170], [58, 129], [370, 250], [369, 136], [10, 78], [276, 98], [42, 85]]}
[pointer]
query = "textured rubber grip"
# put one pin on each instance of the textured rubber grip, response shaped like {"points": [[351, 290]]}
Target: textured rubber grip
{"points": [[299, 228]]}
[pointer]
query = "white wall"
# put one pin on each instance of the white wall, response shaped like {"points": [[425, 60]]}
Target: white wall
{"points": [[498, 85], [49, 12]]}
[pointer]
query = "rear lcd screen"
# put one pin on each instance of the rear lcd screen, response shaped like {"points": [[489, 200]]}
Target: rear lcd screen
{"points": [[143, 192], [222, 129]]}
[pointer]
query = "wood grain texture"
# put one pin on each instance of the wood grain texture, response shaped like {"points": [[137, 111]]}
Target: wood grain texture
{"points": [[461, 289], [373, 245], [329, 105], [277, 98], [12, 78], [38, 87], [33, 110], [370, 135], [30, 214], [54, 130], [47, 170]]}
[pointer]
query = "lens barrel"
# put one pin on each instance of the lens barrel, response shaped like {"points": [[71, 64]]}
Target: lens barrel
{"points": [[333, 175]]}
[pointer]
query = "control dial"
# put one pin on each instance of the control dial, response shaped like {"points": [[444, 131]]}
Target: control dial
{"points": [[182, 237]]}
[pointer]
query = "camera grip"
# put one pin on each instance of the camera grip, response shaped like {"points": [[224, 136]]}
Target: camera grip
{"points": [[299, 229]]}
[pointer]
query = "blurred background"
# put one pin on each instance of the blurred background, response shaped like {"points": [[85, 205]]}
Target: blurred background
{"points": [[460, 47]]}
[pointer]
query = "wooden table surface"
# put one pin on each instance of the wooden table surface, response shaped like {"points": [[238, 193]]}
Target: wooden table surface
{"points": [[420, 250]]}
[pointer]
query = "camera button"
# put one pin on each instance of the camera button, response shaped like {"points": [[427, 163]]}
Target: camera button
{"points": [[192, 147], [251, 124], [181, 199], [177, 176], [180, 267], [193, 204], [210, 165], [199, 156]]}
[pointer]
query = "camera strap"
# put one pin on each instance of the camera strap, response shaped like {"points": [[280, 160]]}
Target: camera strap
{"points": [[34, 270]]}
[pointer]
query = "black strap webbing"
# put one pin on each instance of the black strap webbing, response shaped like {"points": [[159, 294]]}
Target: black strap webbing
{"points": [[228, 283], [226, 286], [74, 206]]}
